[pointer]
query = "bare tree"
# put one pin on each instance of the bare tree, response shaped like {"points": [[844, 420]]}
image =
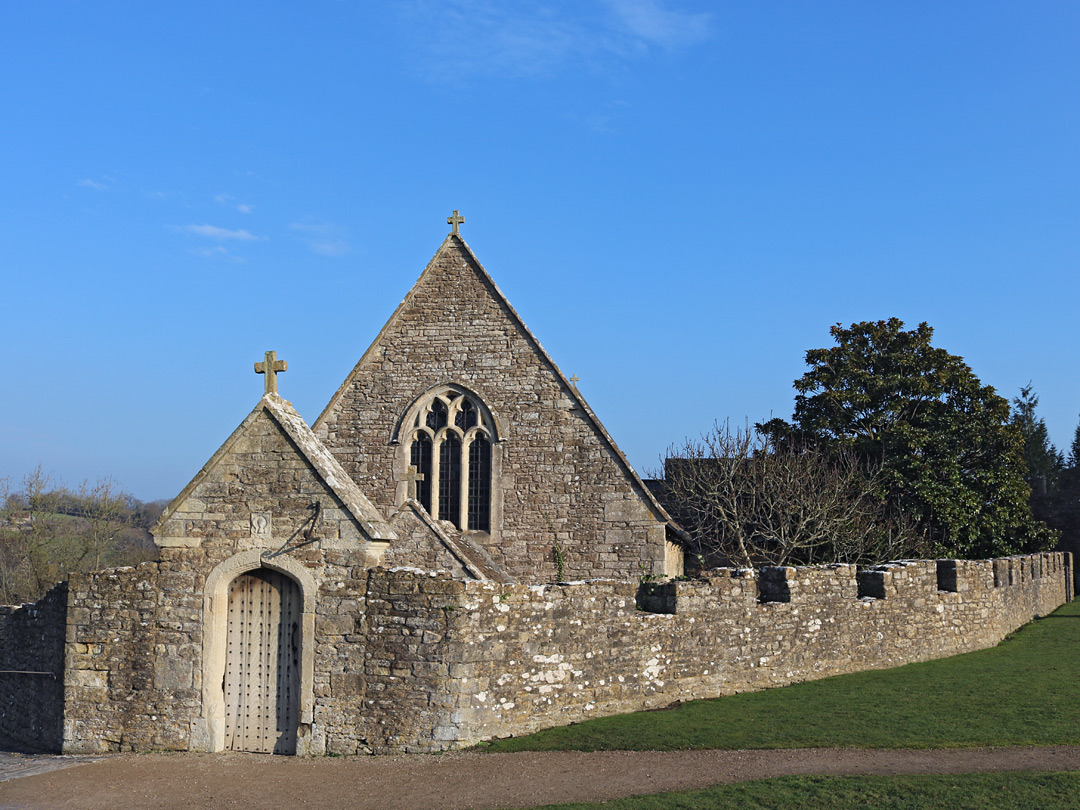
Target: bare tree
{"points": [[748, 501], [47, 531], [32, 551], [104, 513]]}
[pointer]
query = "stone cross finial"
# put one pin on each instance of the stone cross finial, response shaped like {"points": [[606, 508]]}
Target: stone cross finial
{"points": [[574, 380], [454, 220], [271, 366]]}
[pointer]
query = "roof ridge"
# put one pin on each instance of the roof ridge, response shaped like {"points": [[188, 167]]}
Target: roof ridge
{"points": [[461, 548]]}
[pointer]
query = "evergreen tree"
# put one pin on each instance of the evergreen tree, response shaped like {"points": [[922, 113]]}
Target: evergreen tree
{"points": [[1043, 460], [1074, 451], [951, 460]]}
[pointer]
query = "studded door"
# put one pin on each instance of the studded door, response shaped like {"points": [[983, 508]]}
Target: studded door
{"points": [[262, 664]]}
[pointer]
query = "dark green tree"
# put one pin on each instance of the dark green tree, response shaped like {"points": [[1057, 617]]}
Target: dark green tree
{"points": [[1069, 482], [951, 461], [1043, 460], [1073, 461]]}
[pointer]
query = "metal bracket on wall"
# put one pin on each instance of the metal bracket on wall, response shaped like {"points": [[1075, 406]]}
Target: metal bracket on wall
{"points": [[308, 532]]}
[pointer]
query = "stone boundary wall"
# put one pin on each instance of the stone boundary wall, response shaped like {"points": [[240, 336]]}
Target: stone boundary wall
{"points": [[32, 660], [525, 658], [408, 660]]}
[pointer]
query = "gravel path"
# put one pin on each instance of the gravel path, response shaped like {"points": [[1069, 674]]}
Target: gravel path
{"points": [[13, 765], [464, 780]]}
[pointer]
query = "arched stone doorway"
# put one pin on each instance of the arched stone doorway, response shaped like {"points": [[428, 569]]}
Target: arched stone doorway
{"points": [[262, 663], [258, 656]]}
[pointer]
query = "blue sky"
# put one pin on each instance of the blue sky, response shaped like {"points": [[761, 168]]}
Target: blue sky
{"points": [[678, 197]]}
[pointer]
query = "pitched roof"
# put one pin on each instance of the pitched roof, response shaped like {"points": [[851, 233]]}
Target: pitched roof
{"points": [[314, 452], [454, 239], [472, 558]]}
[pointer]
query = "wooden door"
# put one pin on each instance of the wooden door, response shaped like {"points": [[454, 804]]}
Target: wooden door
{"points": [[262, 663]]}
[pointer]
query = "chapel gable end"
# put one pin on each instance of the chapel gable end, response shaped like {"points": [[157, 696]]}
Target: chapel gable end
{"points": [[457, 405], [271, 486]]}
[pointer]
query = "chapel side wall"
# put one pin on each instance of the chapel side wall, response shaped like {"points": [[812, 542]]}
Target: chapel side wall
{"points": [[525, 658], [32, 660]]}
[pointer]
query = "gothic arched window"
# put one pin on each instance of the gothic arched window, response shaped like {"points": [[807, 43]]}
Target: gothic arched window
{"points": [[450, 447]]}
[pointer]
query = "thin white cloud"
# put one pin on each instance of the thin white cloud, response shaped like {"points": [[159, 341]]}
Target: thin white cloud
{"points": [[229, 200], [218, 252], [333, 249], [651, 22], [222, 234], [322, 239], [536, 38], [86, 182]]}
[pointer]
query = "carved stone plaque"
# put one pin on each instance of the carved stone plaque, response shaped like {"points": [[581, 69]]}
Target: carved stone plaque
{"points": [[260, 524]]}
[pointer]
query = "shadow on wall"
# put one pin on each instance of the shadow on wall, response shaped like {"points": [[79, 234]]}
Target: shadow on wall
{"points": [[31, 674]]}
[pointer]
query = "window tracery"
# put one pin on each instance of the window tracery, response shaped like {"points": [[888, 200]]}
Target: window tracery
{"points": [[450, 447]]}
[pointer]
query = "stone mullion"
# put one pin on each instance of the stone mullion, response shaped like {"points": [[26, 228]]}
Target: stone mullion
{"points": [[436, 454], [463, 490]]}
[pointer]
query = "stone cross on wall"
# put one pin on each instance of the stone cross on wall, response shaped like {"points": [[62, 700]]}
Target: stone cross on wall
{"points": [[414, 477], [574, 380], [271, 366], [454, 220]]}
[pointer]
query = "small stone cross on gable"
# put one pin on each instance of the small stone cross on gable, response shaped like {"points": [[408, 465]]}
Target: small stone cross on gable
{"points": [[454, 220], [574, 380], [271, 367]]}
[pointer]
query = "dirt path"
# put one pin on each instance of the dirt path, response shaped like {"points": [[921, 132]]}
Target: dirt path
{"points": [[469, 780]]}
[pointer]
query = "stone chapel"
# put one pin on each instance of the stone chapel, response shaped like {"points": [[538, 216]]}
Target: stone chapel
{"points": [[455, 444], [454, 550]]}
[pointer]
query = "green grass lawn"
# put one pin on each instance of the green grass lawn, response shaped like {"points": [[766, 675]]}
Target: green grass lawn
{"points": [[1022, 692], [984, 791]]}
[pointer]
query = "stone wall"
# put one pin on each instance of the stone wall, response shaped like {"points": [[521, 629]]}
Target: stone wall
{"points": [[133, 678], [526, 658], [32, 664], [412, 644], [408, 660]]}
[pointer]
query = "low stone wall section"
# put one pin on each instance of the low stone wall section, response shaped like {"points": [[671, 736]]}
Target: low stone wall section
{"points": [[527, 658], [31, 672], [132, 680]]}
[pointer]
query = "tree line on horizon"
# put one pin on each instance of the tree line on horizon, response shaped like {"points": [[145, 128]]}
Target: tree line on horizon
{"points": [[48, 531]]}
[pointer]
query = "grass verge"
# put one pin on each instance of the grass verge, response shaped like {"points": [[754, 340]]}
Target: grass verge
{"points": [[983, 791], [1021, 692]]}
